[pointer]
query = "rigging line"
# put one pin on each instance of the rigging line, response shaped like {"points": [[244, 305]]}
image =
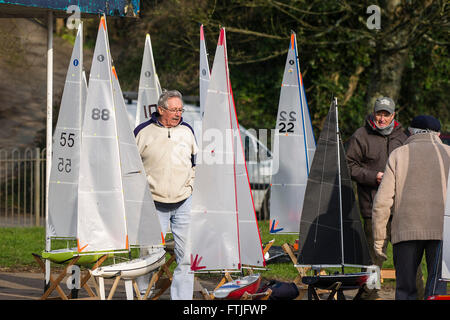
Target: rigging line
{"points": [[294, 44]]}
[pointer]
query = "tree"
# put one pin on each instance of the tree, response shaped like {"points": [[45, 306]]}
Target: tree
{"points": [[407, 58]]}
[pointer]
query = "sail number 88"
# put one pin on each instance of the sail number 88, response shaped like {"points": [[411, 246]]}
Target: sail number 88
{"points": [[98, 114]]}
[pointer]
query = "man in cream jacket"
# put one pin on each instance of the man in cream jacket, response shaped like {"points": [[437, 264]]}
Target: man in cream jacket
{"points": [[167, 146], [414, 188]]}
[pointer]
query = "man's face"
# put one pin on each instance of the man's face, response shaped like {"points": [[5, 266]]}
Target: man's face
{"points": [[383, 118], [171, 116]]}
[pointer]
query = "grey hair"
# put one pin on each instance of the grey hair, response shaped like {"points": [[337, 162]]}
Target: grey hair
{"points": [[166, 95], [418, 131]]}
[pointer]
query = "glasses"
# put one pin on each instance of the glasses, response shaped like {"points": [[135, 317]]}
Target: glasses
{"points": [[174, 110]]}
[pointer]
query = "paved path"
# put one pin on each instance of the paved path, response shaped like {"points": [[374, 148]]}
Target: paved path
{"points": [[30, 286]]}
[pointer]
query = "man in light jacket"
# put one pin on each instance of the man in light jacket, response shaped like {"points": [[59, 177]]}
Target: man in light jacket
{"points": [[413, 189], [167, 146]]}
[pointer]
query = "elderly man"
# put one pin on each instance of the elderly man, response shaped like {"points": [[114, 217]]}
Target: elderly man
{"points": [[367, 153], [413, 189], [167, 146]]}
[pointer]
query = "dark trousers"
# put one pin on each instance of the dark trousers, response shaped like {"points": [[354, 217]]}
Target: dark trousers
{"points": [[407, 258]]}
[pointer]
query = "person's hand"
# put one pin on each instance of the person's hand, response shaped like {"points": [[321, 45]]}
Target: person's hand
{"points": [[378, 248], [379, 177]]}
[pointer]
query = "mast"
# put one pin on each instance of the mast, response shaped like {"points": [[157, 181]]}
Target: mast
{"points": [[339, 183]]}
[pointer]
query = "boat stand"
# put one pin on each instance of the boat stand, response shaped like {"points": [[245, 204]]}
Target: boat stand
{"points": [[335, 285], [335, 290], [158, 281], [55, 282], [301, 270], [130, 284]]}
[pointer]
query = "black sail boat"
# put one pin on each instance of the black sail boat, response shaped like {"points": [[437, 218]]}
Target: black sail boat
{"points": [[331, 234]]}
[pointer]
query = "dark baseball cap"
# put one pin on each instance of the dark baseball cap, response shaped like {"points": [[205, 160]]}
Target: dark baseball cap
{"points": [[384, 103]]}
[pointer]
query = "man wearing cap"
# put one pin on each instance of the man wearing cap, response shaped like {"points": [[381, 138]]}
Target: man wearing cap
{"points": [[416, 178], [367, 153]]}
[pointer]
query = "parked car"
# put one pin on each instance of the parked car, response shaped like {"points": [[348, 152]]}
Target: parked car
{"points": [[258, 167], [445, 137]]}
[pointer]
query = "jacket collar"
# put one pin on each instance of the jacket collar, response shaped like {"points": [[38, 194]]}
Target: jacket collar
{"points": [[424, 137]]}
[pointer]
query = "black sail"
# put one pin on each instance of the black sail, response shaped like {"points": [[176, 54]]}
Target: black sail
{"points": [[324, 239]]}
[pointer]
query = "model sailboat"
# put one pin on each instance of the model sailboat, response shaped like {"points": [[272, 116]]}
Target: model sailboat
{"points": [[294, 139], [149, 86], [331, 234], [64, 172], [224, 233], [115, 206]]}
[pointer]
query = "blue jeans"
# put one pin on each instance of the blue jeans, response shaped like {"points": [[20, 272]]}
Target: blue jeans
{"points": [[179, 215]]}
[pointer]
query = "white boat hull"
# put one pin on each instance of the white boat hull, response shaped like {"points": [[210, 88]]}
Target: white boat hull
{"points": [[133, 268]]}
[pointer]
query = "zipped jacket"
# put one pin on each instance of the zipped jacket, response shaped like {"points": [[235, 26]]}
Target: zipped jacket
{"points": [[168, 155], [367, 154]]}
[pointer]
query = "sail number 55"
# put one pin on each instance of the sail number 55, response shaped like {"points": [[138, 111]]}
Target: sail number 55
{"points": [[64, 165], [287, 125], [67, 140]]}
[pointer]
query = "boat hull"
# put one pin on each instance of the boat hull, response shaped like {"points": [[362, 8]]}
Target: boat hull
{"points": [[235, 289], [348, 281], [65, 255], [439, 297], [133, 268]]}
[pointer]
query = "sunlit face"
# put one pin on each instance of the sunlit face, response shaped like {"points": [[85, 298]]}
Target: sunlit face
{"points": [[171, 116], [383, 118]]}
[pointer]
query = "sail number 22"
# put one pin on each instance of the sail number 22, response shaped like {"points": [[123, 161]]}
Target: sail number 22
{"points": [[287, 125]]}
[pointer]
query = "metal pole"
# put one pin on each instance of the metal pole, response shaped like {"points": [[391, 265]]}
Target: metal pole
{"points": [[339, 180], [37, 187], [49, 131]]}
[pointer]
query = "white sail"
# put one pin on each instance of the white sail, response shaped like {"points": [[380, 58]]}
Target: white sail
{"points": [[249, 237], [142, 219], [446, 236], [84, 88], [101, 205], [214, 243], [293, 151], [149, 87], [204, 72], [63, 186]]}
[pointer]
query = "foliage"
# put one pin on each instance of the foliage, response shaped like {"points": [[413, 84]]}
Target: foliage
{"points": [[338, 54]]}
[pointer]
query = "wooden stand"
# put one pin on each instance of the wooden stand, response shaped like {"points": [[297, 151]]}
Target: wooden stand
{"points": [[54, 283]]}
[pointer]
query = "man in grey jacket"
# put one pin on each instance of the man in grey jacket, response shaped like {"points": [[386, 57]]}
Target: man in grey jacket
{"points": [[413, 189]]}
